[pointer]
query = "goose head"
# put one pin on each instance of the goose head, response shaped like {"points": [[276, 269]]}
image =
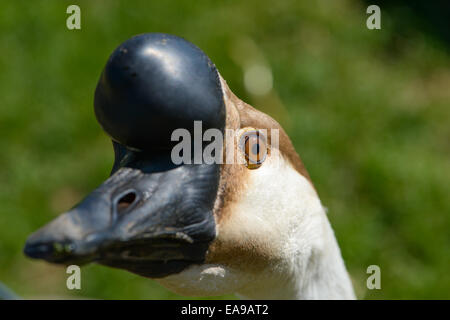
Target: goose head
{"points": [[248, 226]]}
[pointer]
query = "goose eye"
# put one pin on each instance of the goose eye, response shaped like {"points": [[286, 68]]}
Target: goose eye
{"points": [[253, 145]]}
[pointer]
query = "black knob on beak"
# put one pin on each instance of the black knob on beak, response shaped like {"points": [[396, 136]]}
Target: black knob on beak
{"points": [[150, 217], [153, 84]]}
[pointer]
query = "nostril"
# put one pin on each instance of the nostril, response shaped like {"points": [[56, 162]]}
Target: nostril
{"points": [[125, 201]]}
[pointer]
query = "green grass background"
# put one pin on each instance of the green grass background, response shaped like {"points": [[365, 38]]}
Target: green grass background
{"points": [[368, 111]]}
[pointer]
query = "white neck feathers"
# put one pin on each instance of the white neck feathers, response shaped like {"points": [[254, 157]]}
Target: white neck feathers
{"points": [[281, 243], [285, 208]]}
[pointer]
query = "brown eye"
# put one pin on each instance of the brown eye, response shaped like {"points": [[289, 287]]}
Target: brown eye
{"points": [[254, 146]]}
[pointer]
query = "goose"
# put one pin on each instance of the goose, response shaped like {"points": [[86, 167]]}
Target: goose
{"points": [[255, 228]]}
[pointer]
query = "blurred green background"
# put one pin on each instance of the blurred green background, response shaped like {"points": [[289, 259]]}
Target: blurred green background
{"points": [[367, 110]]}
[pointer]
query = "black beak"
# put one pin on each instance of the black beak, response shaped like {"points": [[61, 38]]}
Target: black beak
{"points": [[150, 217]]}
